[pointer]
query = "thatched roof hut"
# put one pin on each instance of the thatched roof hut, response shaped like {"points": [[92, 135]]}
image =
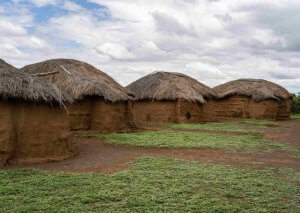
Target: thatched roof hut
{"points": [[257, 89], [171, 97], [101, 103], [16, 84], [170, 86], [79, 79], [33, 126], [271, 99]]}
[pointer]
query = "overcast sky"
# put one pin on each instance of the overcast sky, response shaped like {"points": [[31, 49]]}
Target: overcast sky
{"points": [[213, 41]]}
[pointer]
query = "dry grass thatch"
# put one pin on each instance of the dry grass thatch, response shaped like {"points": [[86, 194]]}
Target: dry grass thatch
{"points": [[170, 86], [5, 65], [79, 79], [257, 89], [15, 84]]}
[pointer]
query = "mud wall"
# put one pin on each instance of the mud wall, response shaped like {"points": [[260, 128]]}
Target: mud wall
{"points": [[7, 132], [180, 111], [33, 133], [244, 107], [80, 114], [208, 111], [154, 111], [110, 117], [284, 110], [42, 132]]}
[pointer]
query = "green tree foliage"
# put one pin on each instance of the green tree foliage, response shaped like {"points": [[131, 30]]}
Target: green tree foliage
{"points": [[295, 105]]}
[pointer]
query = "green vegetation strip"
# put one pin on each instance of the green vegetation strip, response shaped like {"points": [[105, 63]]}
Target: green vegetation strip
{"points": [[191, 140], [153, 185], [245, 125], [213, 127], [258, 122], [295, 116]]}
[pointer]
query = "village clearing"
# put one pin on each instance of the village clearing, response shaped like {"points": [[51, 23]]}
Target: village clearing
{"points": [[231, 166]]}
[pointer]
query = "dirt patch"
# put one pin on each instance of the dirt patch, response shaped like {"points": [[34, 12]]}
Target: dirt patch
{"points": [[289, 133], [98, 156]]}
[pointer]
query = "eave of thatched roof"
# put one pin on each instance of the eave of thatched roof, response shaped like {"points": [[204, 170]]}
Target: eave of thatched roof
{"points": [[170, 86], [79, 79], [15, 84], [257, 89]]}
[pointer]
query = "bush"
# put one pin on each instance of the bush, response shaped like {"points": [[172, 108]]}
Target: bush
{"points": [[295, 105]]}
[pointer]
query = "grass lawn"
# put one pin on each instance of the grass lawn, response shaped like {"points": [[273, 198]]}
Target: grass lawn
{"points": [[213, 127], [243, 126], [258, 122], [295, 116], [191, 140], [153, 185]]}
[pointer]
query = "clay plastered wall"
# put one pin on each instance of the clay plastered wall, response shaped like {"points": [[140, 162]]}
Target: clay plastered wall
{"points": [[208, 111], [7, 138], [33, 133], [154, 111], [284, 110], [188, 112], [80, 114], [262, 110], [171, 111], [42, 133], [244, 107], [109, 117]]}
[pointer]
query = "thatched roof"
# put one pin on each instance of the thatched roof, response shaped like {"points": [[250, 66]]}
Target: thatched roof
{"points": [[5, 65], [79, 79], [15, 84], [257, 89], [170, 86]]}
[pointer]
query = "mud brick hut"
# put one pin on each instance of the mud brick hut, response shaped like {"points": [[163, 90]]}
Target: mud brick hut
{"points": [[252, 98], [101, 104], [171, 97], [33, 124]]}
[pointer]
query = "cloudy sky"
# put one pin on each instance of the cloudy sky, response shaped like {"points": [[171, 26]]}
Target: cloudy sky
{"points": [[211, 40]]}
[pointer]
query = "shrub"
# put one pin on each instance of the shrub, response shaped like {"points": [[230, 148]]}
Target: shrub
{"points": [[295, 105]]}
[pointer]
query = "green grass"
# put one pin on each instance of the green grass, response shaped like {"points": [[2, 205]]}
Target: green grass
{"points": [[214, 127], [295, 116], [191, 140], [153, 185], [255, 122], [246, 125]]}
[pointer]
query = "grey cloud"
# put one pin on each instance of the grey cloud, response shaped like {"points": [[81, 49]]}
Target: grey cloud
{"points": [[226, 18], [170, 25], [284, 22]]}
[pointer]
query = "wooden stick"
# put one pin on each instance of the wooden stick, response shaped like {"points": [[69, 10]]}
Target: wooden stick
{"points": [[45, 73]]}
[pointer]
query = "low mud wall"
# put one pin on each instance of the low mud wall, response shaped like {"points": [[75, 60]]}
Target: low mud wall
{"points": [[244, 107], [7, 132], [98, 115], [80, 114], [110, 117], [33, 133], [284, 110], [180, 111], [154, 111]]}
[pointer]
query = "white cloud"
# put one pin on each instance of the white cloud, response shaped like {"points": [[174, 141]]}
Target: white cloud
{"points": [[43, 3], [9, 29], [213, 41], [115, 51], [71, 6]]}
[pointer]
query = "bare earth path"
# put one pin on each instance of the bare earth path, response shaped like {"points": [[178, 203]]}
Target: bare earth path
{"points": [[98, 156]]}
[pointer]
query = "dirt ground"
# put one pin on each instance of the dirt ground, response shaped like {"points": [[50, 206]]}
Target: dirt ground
{"points": [[94, 155]]}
